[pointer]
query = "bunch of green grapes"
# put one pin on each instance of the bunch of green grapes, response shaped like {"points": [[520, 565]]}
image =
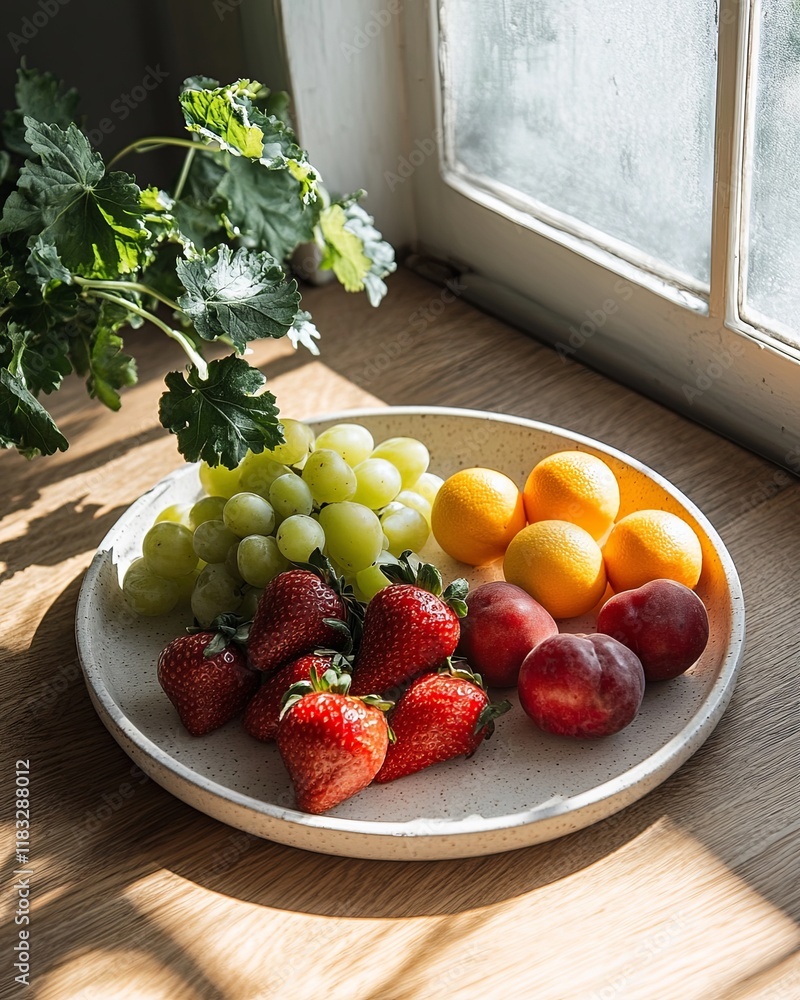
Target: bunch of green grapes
{"points": [[359, 504]]}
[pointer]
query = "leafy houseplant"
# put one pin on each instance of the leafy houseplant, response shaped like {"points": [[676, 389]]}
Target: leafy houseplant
{"points": [[85, 251]]}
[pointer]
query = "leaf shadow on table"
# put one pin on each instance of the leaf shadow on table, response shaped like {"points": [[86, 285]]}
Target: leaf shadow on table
{"points": [[53, 470], [56, 536]]}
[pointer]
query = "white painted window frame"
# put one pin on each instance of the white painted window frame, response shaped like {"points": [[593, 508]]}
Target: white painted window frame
{"points": [[662, 335]]}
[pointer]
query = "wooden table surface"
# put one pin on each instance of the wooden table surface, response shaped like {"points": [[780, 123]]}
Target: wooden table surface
{"points": [[693, 892]]}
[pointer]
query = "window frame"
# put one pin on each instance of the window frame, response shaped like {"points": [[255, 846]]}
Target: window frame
{"points": [[692, 352]]}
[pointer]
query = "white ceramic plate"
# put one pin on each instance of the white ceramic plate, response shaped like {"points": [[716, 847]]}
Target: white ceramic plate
{"points": [[521, 787]]}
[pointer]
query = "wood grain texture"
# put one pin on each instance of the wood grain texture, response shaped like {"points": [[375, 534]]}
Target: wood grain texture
{"points": [[692, 892]]}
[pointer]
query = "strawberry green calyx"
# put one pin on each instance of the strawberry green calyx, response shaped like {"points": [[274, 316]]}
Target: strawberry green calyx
{"points": [[228, 629], [427, 577], [456, 667], [324, 569], [492, 711], [336, 679]]}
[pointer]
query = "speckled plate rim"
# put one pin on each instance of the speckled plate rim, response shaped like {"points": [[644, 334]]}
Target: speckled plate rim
{"points": [[584, 809]]}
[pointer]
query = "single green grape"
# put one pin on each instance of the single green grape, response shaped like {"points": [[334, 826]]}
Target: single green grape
{"points": [[167, 550], [298, 536], [417, 502], [248, 514], [146, 593], [428, 485], [218, 481], [405, 528], [247, 609], [212, 540], [409, 455], [352, 441], [259, 559], [215, 593], [206, 509], [177, 512], [259, 472], [290, 495], [378, 483], [186, 584], [329, 477], [231, 563], [353, 535], [371, 580], [298, 443]]}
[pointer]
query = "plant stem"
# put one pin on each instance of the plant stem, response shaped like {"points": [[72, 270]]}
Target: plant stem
{"points": [[155, 141], [132, 286], [191, 352], [187, 165]]}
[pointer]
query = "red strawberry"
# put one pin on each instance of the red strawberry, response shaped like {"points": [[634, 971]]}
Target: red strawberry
{"points": [[262, 715], [331, 743], [291, 619], [408, 628], [205, 678], [440, 716]]}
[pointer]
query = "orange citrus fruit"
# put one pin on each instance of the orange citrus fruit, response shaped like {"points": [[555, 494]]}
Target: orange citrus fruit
{"points": [[573, 486], [475, 515], [559, 564], [652, 545]]}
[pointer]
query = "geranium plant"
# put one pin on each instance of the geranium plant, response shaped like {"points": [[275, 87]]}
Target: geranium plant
{"points": [[86, 251]]}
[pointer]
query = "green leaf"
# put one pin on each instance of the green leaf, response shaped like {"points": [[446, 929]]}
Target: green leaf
{"points": [[45, 266], [307, 177], [344, 251], [229, 117], [275, 102], [198, 224], [93, 218], [24, 423], [354, 249], [376, 249], [218, 418], [243, 295], [221, 115], [157, 213], [5, 164], [265, 207], [199, 83], [9, 286], [40, 362], [109, 368], [41, 96]]}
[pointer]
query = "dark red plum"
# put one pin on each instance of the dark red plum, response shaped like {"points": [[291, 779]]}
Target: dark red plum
{"points": [[581, 685], [663, 622], [502, 626]]}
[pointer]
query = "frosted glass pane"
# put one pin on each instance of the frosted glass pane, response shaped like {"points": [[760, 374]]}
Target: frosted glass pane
{"points": [[773, 222], [600, 109]]}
